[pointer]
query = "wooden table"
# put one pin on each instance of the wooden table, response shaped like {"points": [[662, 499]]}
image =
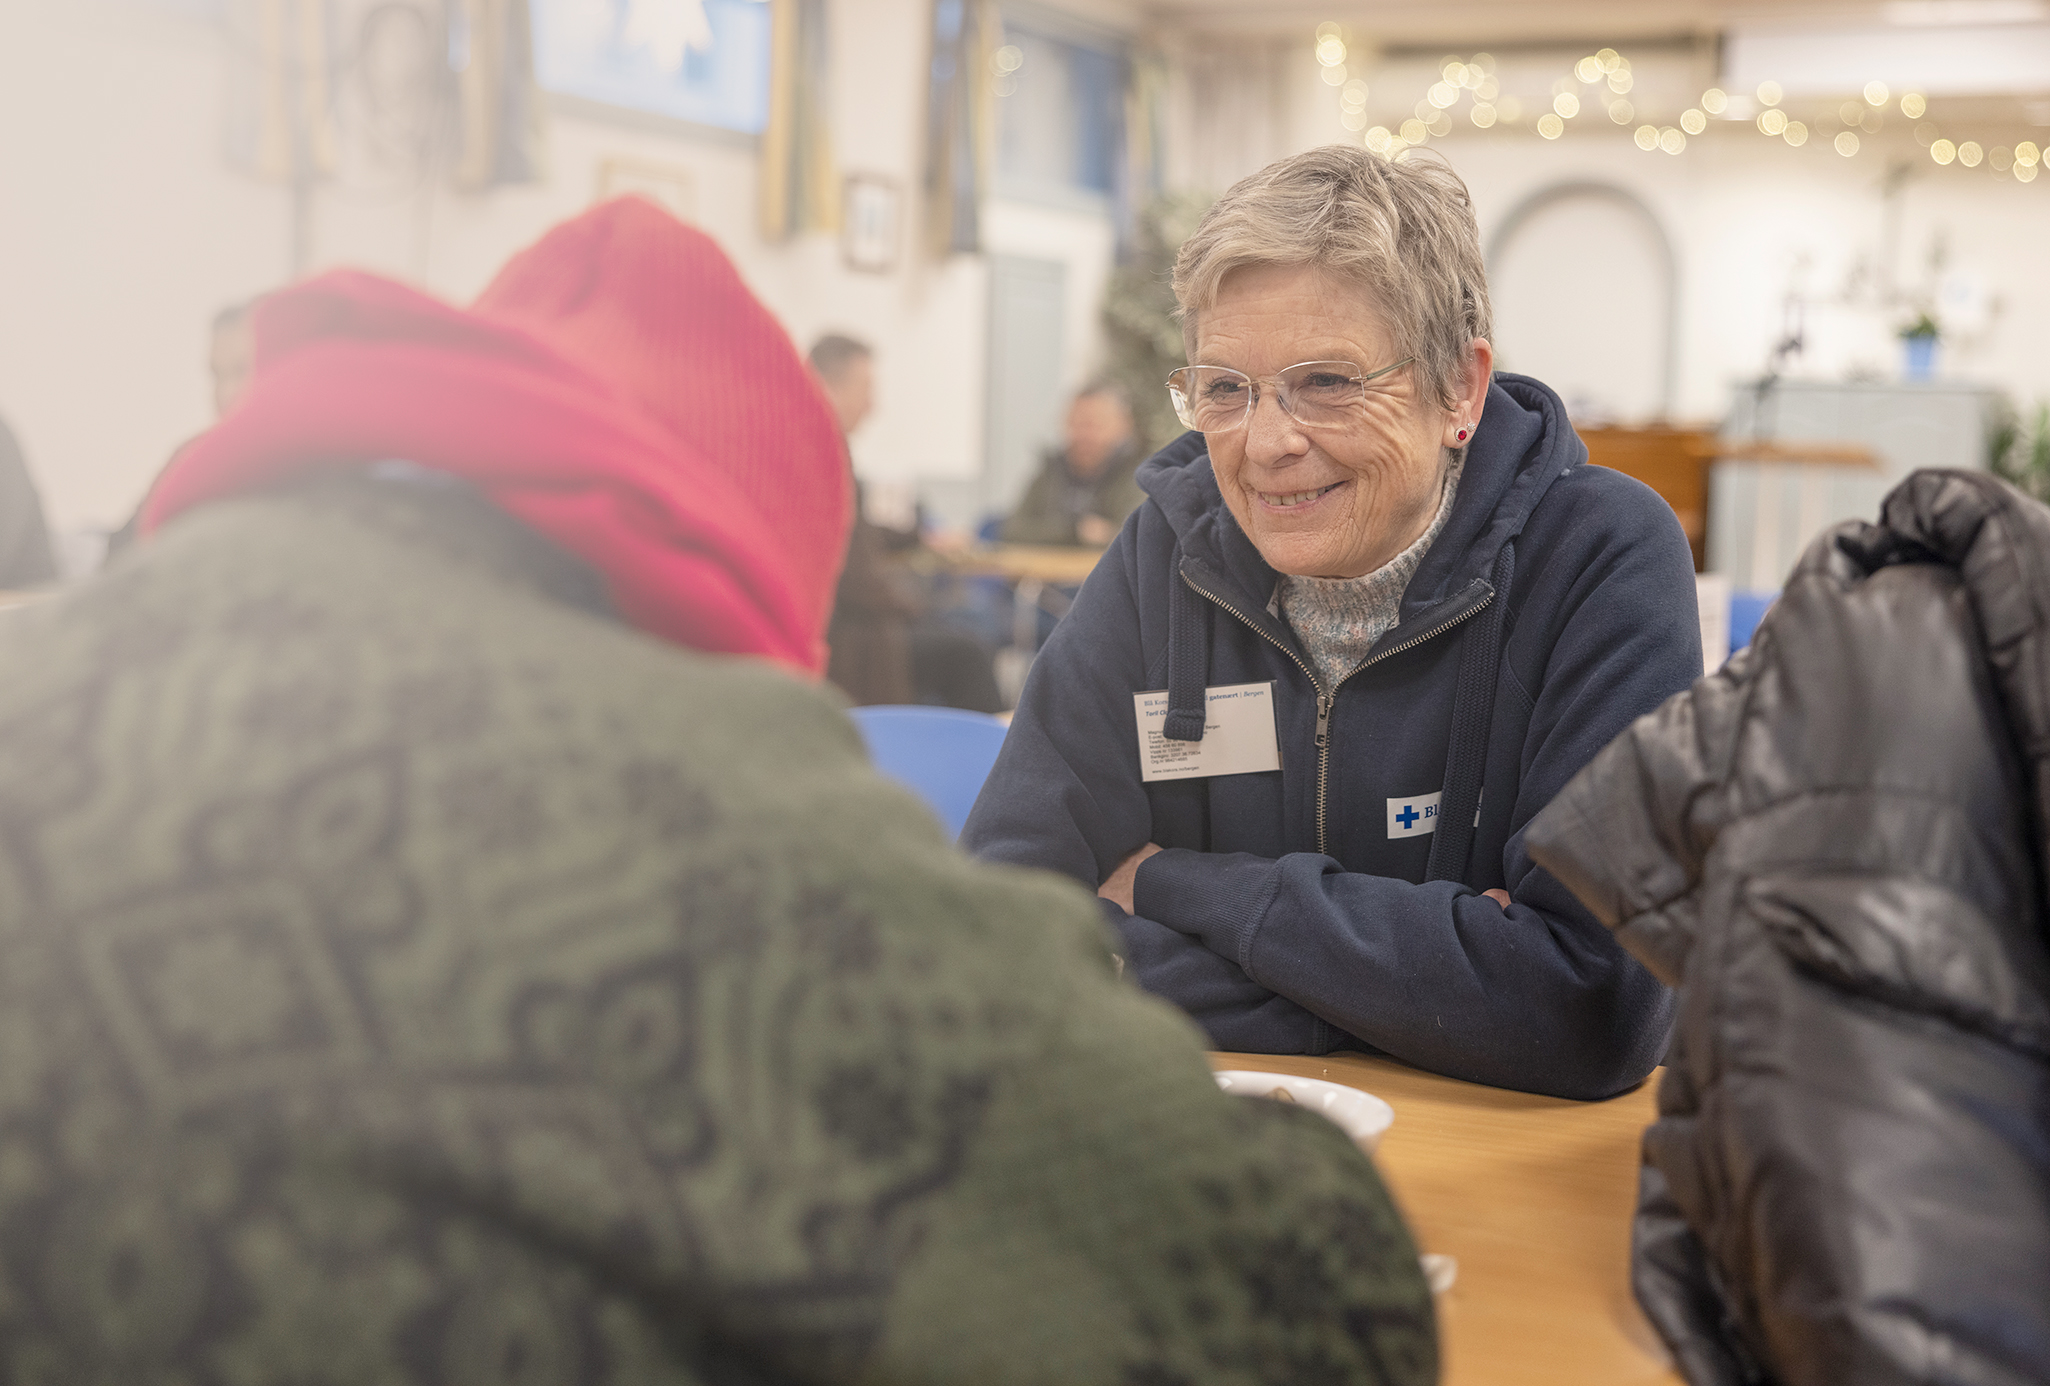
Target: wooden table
{"points": [[1054, 564], [1533, 1195]]}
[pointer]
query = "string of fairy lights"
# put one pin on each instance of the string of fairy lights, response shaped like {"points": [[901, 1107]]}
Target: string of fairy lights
{"points": [[1599, 87]]}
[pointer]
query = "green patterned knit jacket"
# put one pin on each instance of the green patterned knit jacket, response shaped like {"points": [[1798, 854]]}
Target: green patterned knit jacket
{"points": [[410, 974]]}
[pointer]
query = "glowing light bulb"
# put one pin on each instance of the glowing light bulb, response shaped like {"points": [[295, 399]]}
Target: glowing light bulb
{"points": [[1566, 104], [1693, 121], [1715, 101], [1443, 94], [1550, 126], [1913, 106], [1622, 112], [1331, 50], [1943, 151], [1588, 70], [1769, 93], [1772, 122], [1876, 93], [1482, 114], [1796, 133], [1847, 144], [1672, 140], [1969, 154], [1647, 138]]}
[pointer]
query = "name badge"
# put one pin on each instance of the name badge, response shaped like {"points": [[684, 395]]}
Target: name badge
{"points": [[1238, 735]]}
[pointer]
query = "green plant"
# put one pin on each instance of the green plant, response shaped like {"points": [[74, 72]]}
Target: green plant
{"points": [[1923, 324], [1139, 325], [2019, 451]]}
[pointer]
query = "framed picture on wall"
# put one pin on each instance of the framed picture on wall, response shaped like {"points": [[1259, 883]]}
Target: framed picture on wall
{"points": [[872, 212], [665, 185]]}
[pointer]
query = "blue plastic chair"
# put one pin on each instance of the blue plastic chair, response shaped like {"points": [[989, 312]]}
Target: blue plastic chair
{"points": [[1747, 609], [941, 753]]}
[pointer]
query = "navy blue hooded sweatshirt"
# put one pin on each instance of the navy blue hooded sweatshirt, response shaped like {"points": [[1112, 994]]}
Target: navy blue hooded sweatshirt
{"points": [[1288, 915]]}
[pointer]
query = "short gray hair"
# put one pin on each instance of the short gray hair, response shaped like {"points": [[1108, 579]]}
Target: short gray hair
{"points": [[1403, 228]]}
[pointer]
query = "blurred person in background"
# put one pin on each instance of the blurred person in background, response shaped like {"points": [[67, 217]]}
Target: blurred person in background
{"points": [[874, 604], [231, 348], [1425, 613], [446, 934], [1085, 488], [25, 557], [888, 645]]}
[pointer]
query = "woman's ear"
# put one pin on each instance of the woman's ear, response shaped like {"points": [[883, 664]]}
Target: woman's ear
{"points": [[1465, 415]]}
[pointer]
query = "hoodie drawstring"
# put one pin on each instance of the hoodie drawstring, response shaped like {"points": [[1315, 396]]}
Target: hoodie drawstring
{"points": [[1473, 713], [1188, 658]]}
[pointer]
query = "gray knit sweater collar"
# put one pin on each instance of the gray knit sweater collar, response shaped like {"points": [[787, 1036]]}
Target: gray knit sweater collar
{"points": [[1339, 619]]}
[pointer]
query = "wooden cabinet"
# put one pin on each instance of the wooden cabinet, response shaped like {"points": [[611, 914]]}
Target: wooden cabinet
{"points": [[1672, 461]]}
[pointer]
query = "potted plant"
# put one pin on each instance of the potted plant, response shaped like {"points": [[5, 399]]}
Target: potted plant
{"points": [[1139, 324], [2018, 448], [1920, 336]]}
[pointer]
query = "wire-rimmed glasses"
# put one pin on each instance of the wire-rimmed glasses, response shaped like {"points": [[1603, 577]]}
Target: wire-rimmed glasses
{"points": [[1316, 394]]}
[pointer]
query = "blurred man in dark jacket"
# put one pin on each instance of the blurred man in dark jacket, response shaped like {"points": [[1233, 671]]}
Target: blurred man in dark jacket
{"points": [[887, 645], [1085, 488], [873, 607]]}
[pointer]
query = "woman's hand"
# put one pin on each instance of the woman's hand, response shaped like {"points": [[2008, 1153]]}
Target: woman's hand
{"points": [[1500, 897], [1118, 889]]}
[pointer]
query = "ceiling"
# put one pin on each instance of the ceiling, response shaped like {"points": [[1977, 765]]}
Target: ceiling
{"points": [[1502, 23]]}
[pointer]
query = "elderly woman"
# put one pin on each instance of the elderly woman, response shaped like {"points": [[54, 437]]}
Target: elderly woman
{"points": [[1376, 611]]}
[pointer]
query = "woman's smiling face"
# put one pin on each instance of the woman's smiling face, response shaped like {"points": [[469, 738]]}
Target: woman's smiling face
{"points": [[1327, 502]]}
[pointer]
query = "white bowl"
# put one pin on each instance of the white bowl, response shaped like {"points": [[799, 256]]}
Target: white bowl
{"points": [[1361, 1115]]}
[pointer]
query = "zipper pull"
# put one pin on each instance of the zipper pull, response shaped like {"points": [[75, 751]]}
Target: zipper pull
{"points": [[1323, 720]]}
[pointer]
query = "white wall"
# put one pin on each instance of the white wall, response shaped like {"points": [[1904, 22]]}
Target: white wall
{"points": [[1753, 220], [122, 230]]}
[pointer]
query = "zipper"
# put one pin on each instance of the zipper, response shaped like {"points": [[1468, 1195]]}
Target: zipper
{"points": [[1325, 699]]}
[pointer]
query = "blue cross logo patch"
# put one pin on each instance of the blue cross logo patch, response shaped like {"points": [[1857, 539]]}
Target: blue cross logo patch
{"points": [[1416, 816]]}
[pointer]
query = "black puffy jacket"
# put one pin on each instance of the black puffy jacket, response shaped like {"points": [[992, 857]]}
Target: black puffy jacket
{"points": [[1835, 850]]}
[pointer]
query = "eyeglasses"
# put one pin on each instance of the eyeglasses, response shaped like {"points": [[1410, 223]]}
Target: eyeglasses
{"points": [[1316, 394]]}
